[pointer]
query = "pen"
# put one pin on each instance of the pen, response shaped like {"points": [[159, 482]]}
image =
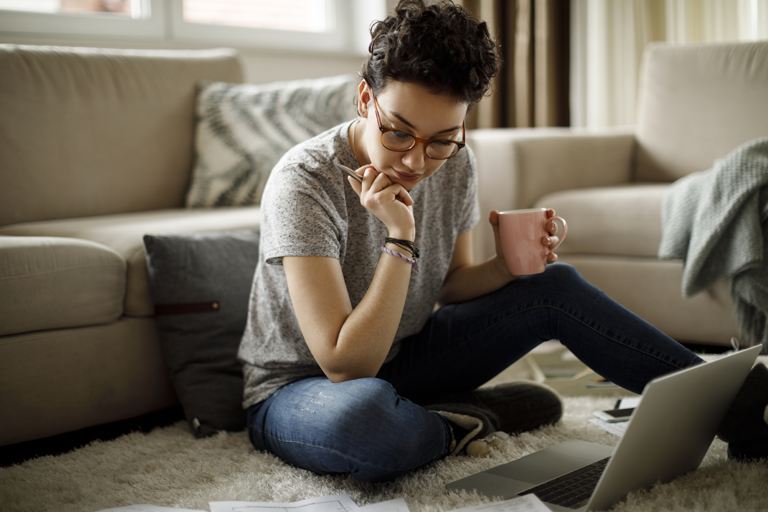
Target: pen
{"points": [[349, 171], [356, 176]]}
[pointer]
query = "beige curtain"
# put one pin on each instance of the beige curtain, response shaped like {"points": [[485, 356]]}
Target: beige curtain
{"points": [[533, 86], [608, 38]]}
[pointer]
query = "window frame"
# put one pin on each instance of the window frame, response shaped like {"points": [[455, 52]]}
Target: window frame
{"points": [[87, 24], [349, 35], [336, 39]]}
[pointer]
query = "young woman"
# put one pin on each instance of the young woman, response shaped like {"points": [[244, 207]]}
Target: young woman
{"points": [[349, 368]]}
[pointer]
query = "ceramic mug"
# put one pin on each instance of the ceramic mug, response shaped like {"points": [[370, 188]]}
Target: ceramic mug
{"points": [[521, 233]]}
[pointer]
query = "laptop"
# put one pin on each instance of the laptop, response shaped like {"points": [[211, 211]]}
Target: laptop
{"points": [[668, 435]]}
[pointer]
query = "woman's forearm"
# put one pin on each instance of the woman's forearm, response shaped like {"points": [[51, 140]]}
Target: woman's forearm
{"points": [[366, 337], [472, 281]]}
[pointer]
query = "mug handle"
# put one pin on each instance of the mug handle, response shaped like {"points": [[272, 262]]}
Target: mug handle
{"points": [[565, 232]]}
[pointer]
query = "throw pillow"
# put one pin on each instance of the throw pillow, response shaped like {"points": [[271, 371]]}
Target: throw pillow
{"points": [[243, 129], [201, 287]]}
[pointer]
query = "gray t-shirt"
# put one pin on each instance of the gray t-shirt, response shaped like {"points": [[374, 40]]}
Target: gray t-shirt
{"points": [[309, 209]]}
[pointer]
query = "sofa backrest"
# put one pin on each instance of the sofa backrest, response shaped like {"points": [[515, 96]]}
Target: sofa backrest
{"points": [[698, 102], [93, 131]]}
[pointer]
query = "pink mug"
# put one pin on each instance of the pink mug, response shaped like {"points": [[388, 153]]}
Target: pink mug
{"points": [[521, 233]]}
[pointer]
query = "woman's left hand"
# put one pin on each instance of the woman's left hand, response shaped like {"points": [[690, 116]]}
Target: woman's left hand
{"points": [[548, 241], [493, 218], [551, 240]]}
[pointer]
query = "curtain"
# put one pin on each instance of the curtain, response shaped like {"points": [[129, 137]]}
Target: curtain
{"points": [[608, 38], [532, 89]]}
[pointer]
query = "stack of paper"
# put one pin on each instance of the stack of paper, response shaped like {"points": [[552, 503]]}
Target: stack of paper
{"points": [[341, 503]]}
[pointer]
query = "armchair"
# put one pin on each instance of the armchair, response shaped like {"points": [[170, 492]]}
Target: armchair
{"points": [[697, 102]]}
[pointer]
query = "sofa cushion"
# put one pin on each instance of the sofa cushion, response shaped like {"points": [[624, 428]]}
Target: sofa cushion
{"points": [[53, 283], [650, 288], [244, 129], [697, 103], [124, 233], [619, 221], [90, 131], [201, 285]]}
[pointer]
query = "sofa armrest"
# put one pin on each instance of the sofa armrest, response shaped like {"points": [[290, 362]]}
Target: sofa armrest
{"points": [[516, 167]]}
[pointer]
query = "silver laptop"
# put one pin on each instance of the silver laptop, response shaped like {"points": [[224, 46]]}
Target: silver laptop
{"points": [[668, 435]]}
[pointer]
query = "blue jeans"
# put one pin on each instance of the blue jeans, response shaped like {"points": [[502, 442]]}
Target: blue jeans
{"points": [[374, 429]]}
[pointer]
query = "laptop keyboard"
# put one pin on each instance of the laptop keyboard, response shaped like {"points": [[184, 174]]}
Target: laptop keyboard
{"points": [[572, 488]]}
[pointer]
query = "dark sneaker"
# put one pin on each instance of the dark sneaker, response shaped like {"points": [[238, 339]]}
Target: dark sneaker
{"points": [[471, 427], [750, 451], [745, 427], [520, 406]]}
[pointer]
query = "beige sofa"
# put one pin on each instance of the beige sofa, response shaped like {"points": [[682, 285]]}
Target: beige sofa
{"points": [[96, 150], [696, 103]]}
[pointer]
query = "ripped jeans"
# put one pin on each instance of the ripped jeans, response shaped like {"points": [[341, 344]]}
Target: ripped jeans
{"points": [[374, 429]]}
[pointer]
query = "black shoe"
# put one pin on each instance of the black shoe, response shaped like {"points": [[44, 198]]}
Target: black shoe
{"points": [[520, 406], [750, 451], [745, 427]]}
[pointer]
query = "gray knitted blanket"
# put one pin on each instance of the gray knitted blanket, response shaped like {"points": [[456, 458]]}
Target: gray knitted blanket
{"points": [[715, 220]]}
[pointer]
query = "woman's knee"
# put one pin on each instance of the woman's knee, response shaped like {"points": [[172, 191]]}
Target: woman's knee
{"points": [[562, 271], [388, 435], [365, 428], [354, 412], [561, 277], [553, 278], [369, 393], [371, 408]]}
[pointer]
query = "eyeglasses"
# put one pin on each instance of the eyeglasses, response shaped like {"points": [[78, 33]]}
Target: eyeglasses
{"points": [[398, 140]]}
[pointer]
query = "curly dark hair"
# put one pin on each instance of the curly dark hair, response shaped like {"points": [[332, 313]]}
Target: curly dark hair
{"points": [[439, 46]]}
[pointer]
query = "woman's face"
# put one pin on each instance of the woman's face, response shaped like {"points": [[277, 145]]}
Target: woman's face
{"points": [[412, 109]]}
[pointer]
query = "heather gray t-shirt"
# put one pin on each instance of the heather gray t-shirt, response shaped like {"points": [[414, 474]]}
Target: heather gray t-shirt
{"points": [[309, 209]]}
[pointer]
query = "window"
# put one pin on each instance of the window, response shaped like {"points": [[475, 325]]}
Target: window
{"points": [[115, 7], [297, 15], [314, 25], [287, 24], [103, 18]]}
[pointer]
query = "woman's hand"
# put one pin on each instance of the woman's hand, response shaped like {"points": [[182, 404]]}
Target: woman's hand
{"points": [[501, 263], [548, 241], [387, 201]]}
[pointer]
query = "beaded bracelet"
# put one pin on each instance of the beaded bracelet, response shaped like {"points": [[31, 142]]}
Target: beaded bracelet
{"points": [[413, 262], [408, 245]]}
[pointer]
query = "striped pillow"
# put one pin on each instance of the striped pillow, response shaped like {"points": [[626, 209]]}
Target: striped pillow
{"points": [[243, 130]]}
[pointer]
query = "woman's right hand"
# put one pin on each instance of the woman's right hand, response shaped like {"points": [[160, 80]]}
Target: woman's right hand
{"points": [[387, 201], [351, 343]]}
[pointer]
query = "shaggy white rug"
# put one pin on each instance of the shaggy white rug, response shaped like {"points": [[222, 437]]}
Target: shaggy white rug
{"points": [[169, 467]]}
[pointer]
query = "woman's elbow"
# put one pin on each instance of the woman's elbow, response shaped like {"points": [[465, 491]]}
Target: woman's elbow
{"points": [[346, 376], [344, 372]]}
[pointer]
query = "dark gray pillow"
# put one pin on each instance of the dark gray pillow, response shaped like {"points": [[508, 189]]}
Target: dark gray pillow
{"points": [[201, 284]]}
